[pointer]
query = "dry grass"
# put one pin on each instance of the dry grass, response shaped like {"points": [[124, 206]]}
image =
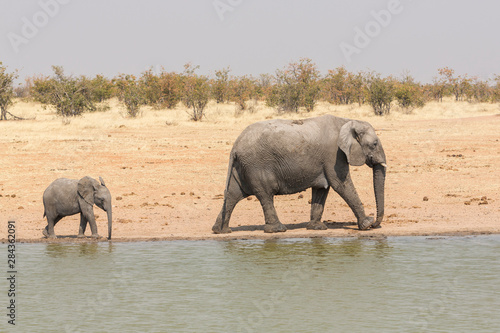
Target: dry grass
{"points": [[46, 119]]}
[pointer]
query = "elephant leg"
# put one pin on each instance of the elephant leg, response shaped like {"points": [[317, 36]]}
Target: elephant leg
{"points": [[233, 195], [49, 229], [348, 192], [319, 196], [88, 214], [273, 223], [83, 226]]}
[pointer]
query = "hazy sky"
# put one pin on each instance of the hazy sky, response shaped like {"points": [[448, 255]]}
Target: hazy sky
{"points": [[251, 36]]}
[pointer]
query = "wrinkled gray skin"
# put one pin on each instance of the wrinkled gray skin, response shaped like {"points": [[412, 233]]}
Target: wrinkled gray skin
{"points": [[283, 157], [65, 197]]}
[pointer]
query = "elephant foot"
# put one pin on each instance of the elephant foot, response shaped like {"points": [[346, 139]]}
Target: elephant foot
{"points": [[275, 227], [80, 236], [376, 225], [218, 230], [316, 226], [46, 234], [365, 223], [96, 236]]}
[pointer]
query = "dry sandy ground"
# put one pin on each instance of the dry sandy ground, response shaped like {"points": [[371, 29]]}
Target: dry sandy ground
{"points": [[167, 174]]}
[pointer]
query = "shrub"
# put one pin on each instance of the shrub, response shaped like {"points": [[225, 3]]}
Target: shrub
{"points": [[221, 88], [335, 86], [68, 95], [440, 85], [438, 89], [285, 97], [263, 86], [380, 93], [102, 88], [196, 91], [409, 94], [152, 90], [342, 87], [131, 93], [6, 90], [297, 85], [163, 90], [479, 91], [495, 90], [171, 89], [242, 89], [24, 91]]}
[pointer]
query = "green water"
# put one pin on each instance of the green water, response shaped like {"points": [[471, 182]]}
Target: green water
{"points": [[399, 284]]}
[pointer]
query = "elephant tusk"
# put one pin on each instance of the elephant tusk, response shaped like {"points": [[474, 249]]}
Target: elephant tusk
{"points": [[384, 165]]}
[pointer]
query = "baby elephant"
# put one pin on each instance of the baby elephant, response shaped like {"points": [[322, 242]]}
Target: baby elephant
{"points": [[65, 197]]}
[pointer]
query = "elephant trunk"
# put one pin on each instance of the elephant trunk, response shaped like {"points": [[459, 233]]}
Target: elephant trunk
{"points": [[378, 186], [110, 218]]}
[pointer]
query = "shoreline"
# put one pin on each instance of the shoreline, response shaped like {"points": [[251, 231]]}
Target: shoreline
{"points": [[230, 237]]}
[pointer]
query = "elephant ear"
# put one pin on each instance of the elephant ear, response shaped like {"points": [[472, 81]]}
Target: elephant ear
{"points": [[102, 181], [348, 142], [86, 187]]}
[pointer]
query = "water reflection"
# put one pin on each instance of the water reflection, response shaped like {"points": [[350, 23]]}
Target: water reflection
{"points": [[318, 247], [87, 249]]}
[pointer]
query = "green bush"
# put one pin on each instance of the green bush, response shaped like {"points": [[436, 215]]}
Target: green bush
{"points": [[152, 89], [171, 89], [102, 88], [69, 96], [335, 86], [380, 93], [340, 86], [196, 92], [409, 94], [263, 86], [131, 93], [495, 90], [297, 85], [479, 91], [242, 89], [6, 90], [221, 86], [163, 90]]}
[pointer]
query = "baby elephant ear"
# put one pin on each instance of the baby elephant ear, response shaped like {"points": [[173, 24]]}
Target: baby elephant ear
{"points": [[86, 188], [102, 181], [348, 143]]}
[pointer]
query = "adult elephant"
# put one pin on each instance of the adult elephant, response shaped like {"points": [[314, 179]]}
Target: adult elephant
{"points": [[65, 197], [288, 156]]}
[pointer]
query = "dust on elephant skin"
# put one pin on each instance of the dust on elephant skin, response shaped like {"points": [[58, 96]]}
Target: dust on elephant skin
{"points": [[278, 157]]}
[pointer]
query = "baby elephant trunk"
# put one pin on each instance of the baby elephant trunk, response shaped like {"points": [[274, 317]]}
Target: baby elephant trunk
{"points": [[378, 186], [110, 218]]}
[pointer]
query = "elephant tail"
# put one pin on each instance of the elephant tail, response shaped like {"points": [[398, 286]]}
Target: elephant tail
{"points": [[232, 158]]}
